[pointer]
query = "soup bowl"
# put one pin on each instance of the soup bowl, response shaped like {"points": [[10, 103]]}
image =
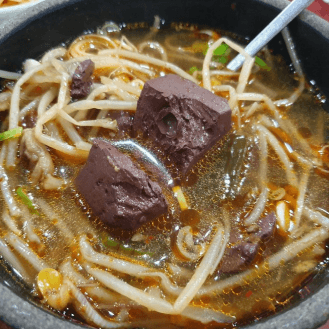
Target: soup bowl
{"points": [[50, 24], [12, 11]]}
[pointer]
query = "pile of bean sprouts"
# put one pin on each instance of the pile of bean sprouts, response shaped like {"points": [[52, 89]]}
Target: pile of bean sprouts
{"points": [[125, 70]]}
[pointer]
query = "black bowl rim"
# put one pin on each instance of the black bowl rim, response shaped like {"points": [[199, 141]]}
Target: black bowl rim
{"points": [[311, 313]]}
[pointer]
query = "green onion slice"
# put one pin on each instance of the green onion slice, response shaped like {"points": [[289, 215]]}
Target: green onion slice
{"points": [[25, 199], [13, 133]]}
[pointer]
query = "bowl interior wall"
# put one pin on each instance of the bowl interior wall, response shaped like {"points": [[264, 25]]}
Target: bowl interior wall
{"points": [[245, 18]]}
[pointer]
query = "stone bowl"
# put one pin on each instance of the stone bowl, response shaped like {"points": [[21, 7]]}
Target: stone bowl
{"points": [[50, 23], [11, 12]]}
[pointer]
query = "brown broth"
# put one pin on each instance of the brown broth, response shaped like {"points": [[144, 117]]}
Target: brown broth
{"points": [[264, 292]]}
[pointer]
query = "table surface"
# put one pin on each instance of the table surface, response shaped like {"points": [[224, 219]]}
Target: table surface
{"points": [[320, 8]]}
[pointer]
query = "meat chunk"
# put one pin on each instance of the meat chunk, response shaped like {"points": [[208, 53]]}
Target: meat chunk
{"points": [[244, 247], [81, 79], [118, 192], [240, 253], [182, 118], [266, 226], [124, 121], [239, 256]]}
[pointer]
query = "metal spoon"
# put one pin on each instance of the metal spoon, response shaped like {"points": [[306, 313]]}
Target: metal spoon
{"points": [[270, 31]]}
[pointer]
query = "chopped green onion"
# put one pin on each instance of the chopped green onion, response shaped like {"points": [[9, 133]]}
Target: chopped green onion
{"points": [[25, 199], [13, 133], [193, 69], [108, 242], [222, 59], [221, 49], [262, 64], [221, 53]]}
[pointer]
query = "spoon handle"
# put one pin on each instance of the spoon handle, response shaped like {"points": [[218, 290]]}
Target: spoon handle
{"points": [[270, 31]]}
